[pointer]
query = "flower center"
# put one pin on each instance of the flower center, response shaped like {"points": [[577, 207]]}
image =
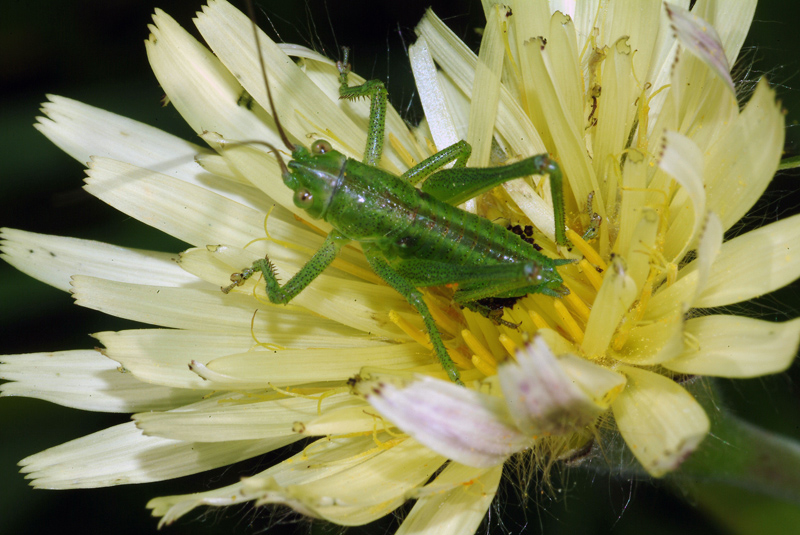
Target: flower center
{"points": [[480, 343]]}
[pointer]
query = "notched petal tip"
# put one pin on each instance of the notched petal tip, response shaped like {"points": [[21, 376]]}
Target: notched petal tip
{"points": [[702, 40]]}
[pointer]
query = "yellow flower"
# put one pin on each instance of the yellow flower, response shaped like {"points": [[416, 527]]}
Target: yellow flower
{"points": [[635, 103]]}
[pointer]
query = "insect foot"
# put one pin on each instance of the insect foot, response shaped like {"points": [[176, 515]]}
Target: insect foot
{"points": [[237, 279]]}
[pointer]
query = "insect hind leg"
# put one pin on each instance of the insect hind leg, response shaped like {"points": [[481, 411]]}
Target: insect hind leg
{"points": [[414, 297]]}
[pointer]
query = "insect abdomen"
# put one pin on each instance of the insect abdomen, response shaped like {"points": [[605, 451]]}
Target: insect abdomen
{"points": [[448, 234]]}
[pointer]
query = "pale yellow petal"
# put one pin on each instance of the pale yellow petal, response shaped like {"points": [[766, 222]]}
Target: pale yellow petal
{"points": [[358, 418], [683, 160], [83, 131], [678, 297], [186, 308], [735, 346], [162, 356], [740, 164], [613, 299], [661, 423], [754, 264], [616, 110], [634, 198], [301, 105], [123, 455], [242, 419], [86, 380], [255, 369], [55, 259], [204, 217], [439, 118], [454, 503], [568, 138], [204, 92], [635, 20], [655, 342], [708, 251], [459, 63], [327, 457], [486, 88], [364, 492]]}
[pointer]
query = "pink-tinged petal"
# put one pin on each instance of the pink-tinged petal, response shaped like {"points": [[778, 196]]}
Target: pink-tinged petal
{"points": [[701, 39], [465, 425], [543, 398]]}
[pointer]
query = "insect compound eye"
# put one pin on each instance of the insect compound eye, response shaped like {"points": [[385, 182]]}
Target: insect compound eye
{"points": [[320, 146], [303, 199]]}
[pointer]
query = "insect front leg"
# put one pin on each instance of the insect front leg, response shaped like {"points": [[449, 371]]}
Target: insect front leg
{"points": [[283, 294], [414, 298], [375, 90]]}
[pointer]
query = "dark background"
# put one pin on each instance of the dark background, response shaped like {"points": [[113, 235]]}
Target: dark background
{"points": [[92, 50]]}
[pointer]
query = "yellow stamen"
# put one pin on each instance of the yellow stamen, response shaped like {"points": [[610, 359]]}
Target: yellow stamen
{"points": [[591, 274], [422, 339], [484, 367], [489, 330], [538, 320], [440, 316], [477, 347], [417, 335], [577, 305], [585, 249], [568, 322], [509, 344], [635, 315], [459, 356]]}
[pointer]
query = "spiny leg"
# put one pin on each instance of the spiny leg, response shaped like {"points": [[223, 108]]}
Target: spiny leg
{"points": [[455, 186], [375, 90], [314, 267], [459, 151], [414, 298]]}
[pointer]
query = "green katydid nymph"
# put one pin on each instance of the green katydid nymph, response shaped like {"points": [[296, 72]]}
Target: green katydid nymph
{"points": [[412, 237]]}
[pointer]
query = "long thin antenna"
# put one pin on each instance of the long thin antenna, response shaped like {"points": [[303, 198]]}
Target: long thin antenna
{"points": [[282, 133]]}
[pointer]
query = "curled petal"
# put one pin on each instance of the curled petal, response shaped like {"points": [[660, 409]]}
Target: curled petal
{"points": [[543, 398], [467, 426], [701, 39]]}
